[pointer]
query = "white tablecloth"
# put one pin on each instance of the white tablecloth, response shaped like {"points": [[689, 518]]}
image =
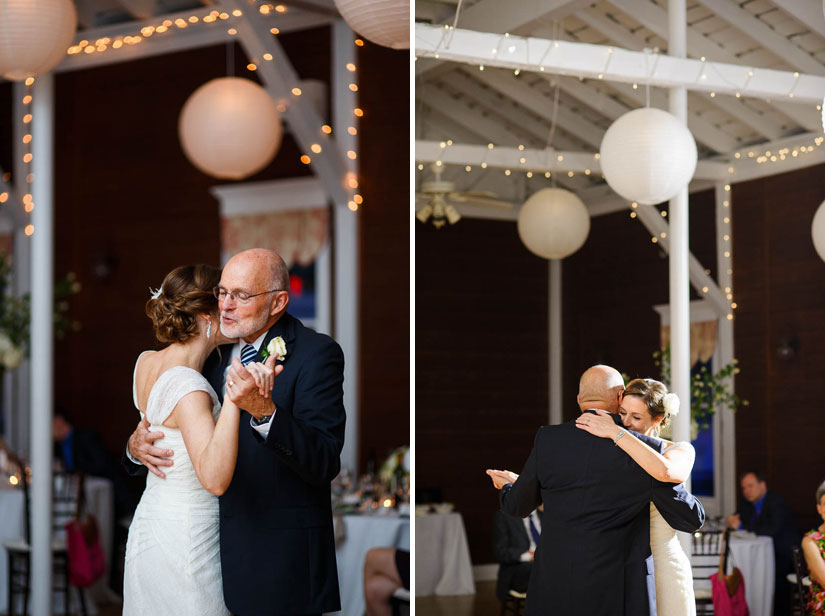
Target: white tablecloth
{"points": [[361, 534], [442, 556], [754, 557], [100, 502]]}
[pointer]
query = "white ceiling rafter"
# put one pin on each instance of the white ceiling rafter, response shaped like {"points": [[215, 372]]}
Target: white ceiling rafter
{"points": [[616, 64], [809, 14], [174, 40], [765, 36], [509, 85], [279, 78], [539, 161], [655, 19]]}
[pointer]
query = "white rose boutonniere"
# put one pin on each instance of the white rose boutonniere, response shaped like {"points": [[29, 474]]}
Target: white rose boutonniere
{"points": [[276, 346]]}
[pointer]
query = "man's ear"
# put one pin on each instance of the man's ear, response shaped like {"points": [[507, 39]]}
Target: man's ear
{"points": [[279, 303], [578, 400]]}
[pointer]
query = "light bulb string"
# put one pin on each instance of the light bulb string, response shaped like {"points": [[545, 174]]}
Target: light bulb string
{"points": [[455, 23]]}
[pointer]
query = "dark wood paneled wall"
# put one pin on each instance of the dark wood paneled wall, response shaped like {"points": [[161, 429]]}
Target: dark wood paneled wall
{"points": [[779, 285], [384, 162], [130, 207], [480, 365]]}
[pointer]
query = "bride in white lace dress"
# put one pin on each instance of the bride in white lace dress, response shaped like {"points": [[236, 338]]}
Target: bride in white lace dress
{"points": [[645, 407], [172, 553]]}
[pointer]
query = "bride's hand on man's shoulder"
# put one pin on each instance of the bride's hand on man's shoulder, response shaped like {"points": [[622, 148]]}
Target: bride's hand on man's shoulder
{"points": [[601, 424], [501, 478]]}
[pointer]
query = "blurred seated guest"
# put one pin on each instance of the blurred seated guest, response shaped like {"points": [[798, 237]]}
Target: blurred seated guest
{"points": [[514, 546], [764, 512], [385, 571], [813, 546]]}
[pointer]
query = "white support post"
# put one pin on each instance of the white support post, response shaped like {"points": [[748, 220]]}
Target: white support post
{"points": [[679, 254], [345, 243], [42, 343], [727, 491], [555, 331]]}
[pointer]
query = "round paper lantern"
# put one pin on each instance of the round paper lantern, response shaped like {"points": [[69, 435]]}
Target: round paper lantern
{"points": [[34, 36], [648, 156], [553, 223], [384, 22], [229, 128], [818, 230]]}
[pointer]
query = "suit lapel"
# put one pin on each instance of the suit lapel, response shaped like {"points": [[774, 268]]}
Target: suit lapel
{"points": [[285, 328]]}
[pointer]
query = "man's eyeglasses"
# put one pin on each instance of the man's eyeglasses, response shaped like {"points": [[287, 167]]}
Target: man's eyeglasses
{"points": [[242, 297]]}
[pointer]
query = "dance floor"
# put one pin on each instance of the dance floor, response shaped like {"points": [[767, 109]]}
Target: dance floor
{"points": [[483, 603]]}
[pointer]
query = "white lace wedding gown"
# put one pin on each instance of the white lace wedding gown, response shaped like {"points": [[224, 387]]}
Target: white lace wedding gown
{"points": [[673, 575], [173, 552]]}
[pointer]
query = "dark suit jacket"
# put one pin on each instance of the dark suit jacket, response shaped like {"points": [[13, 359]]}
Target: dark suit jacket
{"points": [[594, 552], [775, 520], [510, 541], [277, 542]]}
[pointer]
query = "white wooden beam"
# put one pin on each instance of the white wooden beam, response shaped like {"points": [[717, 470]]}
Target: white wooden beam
{"points": [[538, 161], [765, 36], [174, 39], [516, 17], [279, 78], [654, 19], [778, 156], [612, 64], [507, 84], [807, 12]]}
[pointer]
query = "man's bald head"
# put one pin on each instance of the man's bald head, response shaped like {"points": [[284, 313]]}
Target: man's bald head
{"points": [[599, 388]]}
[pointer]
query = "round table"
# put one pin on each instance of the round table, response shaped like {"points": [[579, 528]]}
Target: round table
{"points": [[442, 556]]}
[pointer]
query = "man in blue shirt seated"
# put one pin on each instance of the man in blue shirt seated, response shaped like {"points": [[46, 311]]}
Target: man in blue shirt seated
{"points": [[766, 513]]}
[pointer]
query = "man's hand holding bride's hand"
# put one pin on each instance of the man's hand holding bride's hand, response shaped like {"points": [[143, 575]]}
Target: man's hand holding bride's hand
{"points": [[600, 425], [142, 449], [250, 386], [501, 478]]}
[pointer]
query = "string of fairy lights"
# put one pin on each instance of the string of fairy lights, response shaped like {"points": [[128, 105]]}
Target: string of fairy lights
{"points": [[724, 226], [167, 27]]}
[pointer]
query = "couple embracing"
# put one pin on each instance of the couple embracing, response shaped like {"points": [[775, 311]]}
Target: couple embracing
{"points": [[242, 429], [612, 496]]}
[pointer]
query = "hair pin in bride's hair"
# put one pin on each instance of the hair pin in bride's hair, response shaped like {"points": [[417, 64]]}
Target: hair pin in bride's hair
{"points": [[671, 404], [155, 292]]}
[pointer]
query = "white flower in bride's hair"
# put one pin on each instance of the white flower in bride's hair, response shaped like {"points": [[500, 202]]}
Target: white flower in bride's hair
{"points": [[155, 292], [671, 404]]}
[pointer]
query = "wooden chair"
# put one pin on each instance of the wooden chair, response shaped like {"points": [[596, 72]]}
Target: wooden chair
{"points": [[707, 549], [64, 506], [514, 603], [801, 582]]}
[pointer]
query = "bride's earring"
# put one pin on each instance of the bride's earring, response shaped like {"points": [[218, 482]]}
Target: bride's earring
{"points": [[209, 330]]}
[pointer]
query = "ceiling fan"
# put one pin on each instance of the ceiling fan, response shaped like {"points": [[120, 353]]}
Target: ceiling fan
{"points": [[435, 201]]}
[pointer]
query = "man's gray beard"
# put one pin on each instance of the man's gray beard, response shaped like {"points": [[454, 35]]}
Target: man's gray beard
{"points": [[247, 327]]}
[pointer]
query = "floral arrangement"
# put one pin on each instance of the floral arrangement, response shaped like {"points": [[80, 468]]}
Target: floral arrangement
{"points": [[709, 391], [398, 462], [15, 315]]}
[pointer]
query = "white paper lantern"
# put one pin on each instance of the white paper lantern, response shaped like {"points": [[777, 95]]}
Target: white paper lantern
{"points": [[229, 128], [384, 22], [648, 156], [818, 230], [34, 36], [553, 223]]}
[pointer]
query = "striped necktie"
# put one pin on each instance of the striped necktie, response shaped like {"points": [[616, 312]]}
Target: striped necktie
{"points": [[534, 530], [248, 353]]}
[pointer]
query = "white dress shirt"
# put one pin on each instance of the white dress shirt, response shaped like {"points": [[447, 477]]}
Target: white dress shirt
{"points": [[528, 555]]}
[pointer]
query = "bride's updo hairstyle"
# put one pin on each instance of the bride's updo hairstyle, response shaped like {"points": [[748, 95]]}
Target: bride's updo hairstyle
{"points": [[652, 393], [186, 292]]}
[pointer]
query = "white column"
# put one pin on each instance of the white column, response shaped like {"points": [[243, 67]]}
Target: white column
{"points": [[345, 242], [17, 396], [678, 215], [726, 492], [42, 343], [555, 331]]}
